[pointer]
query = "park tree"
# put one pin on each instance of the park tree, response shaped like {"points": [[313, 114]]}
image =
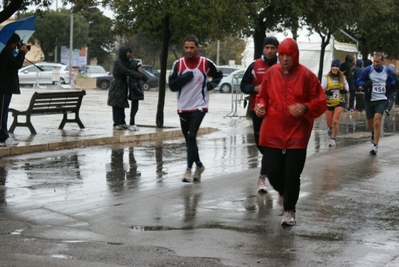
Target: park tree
{"points": [[168, 21], [9, 8], [230, 48], [48, 38], [377, 27], [101, 38], [334, 16]]}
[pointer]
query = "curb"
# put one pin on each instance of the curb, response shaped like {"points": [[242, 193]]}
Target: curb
{"points": [[159, 134]]}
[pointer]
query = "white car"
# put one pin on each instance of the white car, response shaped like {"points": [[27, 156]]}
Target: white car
{"points": [[231, 81], [93, 71], [51, 73]]}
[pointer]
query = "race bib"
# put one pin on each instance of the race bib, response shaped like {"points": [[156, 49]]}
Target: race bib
{"points": [[335, 94], [379, 88]]}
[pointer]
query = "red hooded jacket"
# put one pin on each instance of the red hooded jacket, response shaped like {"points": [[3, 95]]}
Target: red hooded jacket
{"points": [[279, 90]]}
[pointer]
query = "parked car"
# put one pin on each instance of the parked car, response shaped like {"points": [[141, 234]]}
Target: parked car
{"points": [[93, 71], [152, 82], [231, 81], [103, 82], [30, 75], [227, 69], [152, 70]]}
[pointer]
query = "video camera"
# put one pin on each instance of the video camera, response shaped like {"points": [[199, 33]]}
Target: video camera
{"points": [[21, 43]]}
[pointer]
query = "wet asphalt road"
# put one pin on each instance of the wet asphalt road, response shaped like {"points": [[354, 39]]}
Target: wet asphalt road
{"points": [[126, 206]]}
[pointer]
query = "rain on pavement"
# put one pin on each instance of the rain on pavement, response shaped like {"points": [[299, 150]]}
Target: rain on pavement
{"points": [[132, 195]]}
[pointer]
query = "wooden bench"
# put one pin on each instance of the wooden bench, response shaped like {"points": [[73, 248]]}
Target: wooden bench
{"points": [[50, 103]]}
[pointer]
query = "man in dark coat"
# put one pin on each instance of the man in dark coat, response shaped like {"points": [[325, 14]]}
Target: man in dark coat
{"points": [[11, 61], [118, 89]]}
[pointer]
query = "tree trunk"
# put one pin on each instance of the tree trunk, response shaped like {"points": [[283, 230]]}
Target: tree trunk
{"points": [[259, 37], [324, 42], [162, 79]]}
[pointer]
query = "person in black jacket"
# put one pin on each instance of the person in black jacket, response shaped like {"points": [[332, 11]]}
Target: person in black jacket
{"points": [[11, 61], [136, 93], [118, 89], [353, 87]]}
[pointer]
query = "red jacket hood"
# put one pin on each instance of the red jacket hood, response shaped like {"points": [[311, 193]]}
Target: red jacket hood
{"points": [[289, 47]]}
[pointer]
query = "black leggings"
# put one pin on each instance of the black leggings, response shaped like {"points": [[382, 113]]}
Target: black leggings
{"points": [[283, 169], [190, 123], [133, 111]]}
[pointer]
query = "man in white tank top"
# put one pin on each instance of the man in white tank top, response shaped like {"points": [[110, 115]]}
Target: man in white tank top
{"points": [[189, 78]]}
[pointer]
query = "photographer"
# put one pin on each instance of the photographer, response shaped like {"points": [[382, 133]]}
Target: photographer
{"points": [[11, 60]]}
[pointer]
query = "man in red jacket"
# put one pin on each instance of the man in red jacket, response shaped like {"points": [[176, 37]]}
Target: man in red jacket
{"points": [[290, 99], [250, 84]]}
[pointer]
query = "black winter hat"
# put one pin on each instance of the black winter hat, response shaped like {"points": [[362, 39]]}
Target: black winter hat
{"points": [[335, 63], [271, 40]]}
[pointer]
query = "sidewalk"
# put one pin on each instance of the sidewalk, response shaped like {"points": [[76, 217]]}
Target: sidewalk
{"points": [[97, 118]]}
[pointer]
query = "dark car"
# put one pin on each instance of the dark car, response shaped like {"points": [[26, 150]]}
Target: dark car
{"points": [[104, 81], [151, 69]]}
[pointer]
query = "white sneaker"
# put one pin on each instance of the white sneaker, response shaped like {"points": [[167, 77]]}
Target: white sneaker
{"points": [[261, 184], [288, 218], [373, 150], [9, 142], [133, 128], [187, 177], [198, 172], [332, 143]]}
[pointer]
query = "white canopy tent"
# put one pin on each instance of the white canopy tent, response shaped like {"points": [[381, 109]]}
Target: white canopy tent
{"points": [[309, 50]]}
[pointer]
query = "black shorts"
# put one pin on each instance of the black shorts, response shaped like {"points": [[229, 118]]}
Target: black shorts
{"points": [[341, 104]]}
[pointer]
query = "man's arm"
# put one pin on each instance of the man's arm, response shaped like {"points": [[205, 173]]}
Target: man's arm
{"points": [[216, 75], [246, 85], [361, 79], [176, 81]]}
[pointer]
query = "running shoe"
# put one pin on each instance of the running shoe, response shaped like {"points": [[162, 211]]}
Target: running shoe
{"points": [[288, 218], [261, 184], [9, 142], [187, 177], [374, 150], [332, 143], [198, 172], [133, 128]]}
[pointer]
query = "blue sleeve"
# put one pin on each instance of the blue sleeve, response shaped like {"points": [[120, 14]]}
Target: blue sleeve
{"points": [[363, 76], [391, 76], [246, 85]]}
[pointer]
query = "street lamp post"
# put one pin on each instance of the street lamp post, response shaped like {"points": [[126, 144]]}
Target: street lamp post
{"points": [[71, 47]]}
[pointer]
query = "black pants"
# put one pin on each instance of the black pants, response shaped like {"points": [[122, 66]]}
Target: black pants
{"points": [[133, 111], [283, 169], [5, 100], [190, 123], [118, 115], [256, 124]]}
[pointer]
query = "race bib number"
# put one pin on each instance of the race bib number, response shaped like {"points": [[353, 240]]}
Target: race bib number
{"points": [[379, 88], [335, 94]]}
